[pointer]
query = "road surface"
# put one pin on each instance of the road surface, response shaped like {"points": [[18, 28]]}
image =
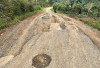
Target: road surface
{"points": [[68, 43]]}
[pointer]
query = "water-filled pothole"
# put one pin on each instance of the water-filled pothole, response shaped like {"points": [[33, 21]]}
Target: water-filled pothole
{"points": [[41, 61]]}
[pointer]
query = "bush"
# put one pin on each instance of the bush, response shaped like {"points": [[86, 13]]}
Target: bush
{"points": [[30, 7], [9, 9], [22, 7], [95, 11], [60, 7], [89, 9], [55, 6], [37, 8], [81, 9]]}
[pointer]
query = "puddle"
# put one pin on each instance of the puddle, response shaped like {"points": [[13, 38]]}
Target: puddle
{"points": [[41, 61]]}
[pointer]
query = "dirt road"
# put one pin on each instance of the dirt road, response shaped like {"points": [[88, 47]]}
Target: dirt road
{"points": [[58, 40]]}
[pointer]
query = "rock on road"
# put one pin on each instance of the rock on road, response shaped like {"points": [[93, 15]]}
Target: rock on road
{"points": [[68, 42]]}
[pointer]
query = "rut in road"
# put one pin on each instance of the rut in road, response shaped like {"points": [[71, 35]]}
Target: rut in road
{"points": [[48, 35]]}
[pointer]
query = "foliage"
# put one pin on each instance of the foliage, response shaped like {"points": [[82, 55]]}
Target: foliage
{"points": [[55, 5], [9, 9], [17, 19], [81, 8], [94, 24]]}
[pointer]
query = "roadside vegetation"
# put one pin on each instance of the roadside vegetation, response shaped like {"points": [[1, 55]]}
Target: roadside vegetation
{"points": [[12, 11], [87, 11]]}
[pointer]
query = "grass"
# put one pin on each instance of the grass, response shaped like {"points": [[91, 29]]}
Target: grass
{"points": [[94, 23], [18, 18]]}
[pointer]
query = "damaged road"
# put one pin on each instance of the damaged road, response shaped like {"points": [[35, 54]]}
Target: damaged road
{"points": [[52, 41]]}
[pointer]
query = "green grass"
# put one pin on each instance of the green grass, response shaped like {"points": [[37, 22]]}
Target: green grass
{"points": [[18, 18], [95, 24]]}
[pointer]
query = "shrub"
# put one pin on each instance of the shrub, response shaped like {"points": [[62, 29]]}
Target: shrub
{"points": [[37, 8], [22, 7], [94, 12], [30, 7], [62, 7], [13, 9], [55, 5]]}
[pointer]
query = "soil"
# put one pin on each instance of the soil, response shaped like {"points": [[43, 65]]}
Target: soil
{"points": [[67, 41]]}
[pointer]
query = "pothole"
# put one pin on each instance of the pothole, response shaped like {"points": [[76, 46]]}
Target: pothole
{"points": [[55, 26], [62, 25], [55, 19], [45, 17], [41, 61]]}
